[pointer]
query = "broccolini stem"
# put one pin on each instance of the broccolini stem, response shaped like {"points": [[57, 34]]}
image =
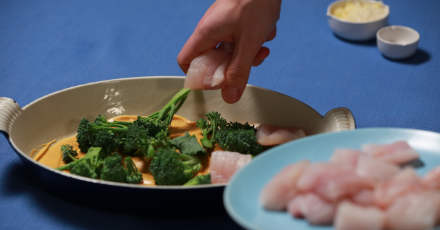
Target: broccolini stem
{"points": [[167, 112], [114, 127], [67, 166]]}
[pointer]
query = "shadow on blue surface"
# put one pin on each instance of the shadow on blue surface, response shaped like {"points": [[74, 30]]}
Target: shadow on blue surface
{"points": [[84, 212], [421, 56], [371, 42]]}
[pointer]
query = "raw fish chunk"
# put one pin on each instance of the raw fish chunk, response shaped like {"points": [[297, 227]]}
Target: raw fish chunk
{"points": [[397, 153], [414, 211], [273, 135], [354, 217], [282, 187], [313, 173], [364, 197], [432, 179], [224, 164], [332, 181], [311, 207], [208, 69], [346, 156], [406, 181], [375, 169], [342, 186]]}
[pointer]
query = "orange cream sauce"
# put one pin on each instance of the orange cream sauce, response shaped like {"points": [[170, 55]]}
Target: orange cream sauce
{"points": [[50, 154]]}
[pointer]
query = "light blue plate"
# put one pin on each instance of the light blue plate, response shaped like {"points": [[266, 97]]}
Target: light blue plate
{"points": [[242, 193]]}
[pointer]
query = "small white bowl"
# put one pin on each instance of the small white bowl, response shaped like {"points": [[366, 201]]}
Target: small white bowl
{"points": [[355, 31], [397, 42]]}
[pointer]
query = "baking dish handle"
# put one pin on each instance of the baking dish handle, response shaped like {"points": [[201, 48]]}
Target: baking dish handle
{"points": [[339, 119], [9, 111]]}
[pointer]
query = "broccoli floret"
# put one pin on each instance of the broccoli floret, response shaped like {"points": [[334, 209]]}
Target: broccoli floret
{"points": [[133, 176], [240, 138], [209, 127], [69, 154], [230, 136], [188, 144], [143, 136], [171, 168], [137, 140], [112, 169], [198, 180], [101, 133], [88, 166], [82, 136]]}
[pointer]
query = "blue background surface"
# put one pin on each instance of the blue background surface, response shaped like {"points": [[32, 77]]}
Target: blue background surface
{"points": [[50, 45]]}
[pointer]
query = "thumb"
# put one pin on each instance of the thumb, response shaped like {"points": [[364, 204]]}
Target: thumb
{"points": [[237, 72]]}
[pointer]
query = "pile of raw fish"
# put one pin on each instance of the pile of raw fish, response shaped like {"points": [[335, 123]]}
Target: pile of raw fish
{"points": [[369, 188]]}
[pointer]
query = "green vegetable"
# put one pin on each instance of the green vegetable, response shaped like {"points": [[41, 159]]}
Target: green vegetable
{"points": [[88, 166], [198, 180], [237, 137], [98, 166], [133, 176], [112, 169], [101, 133], [188, 144], [171, 168], [209, 127], [167, 112], [230, 136], [142, 136], [69, 154], [138, 138]]}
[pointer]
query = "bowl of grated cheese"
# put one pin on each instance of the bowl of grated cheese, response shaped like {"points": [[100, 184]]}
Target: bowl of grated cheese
{"points": [[357, 20]]}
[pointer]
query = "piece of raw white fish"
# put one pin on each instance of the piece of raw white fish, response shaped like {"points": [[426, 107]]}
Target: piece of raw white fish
{"points": [[354, 217], [223, 164], [346, 156], [311, 207], [432, 179], [282, 187], [399, 152], [404, 182], [375, 169], [332, 181], [208, 70], [274, 135], [364, 197], [414, 211]]}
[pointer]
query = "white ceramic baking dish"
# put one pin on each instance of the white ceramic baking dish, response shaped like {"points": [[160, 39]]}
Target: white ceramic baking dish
{"points": [[57, 115]]}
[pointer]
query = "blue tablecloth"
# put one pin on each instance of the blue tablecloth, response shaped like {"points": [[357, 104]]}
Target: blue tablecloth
{"points": [[50, 45]]}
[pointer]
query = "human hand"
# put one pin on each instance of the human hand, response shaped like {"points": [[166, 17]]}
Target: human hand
{"points": [[246, 24]]}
